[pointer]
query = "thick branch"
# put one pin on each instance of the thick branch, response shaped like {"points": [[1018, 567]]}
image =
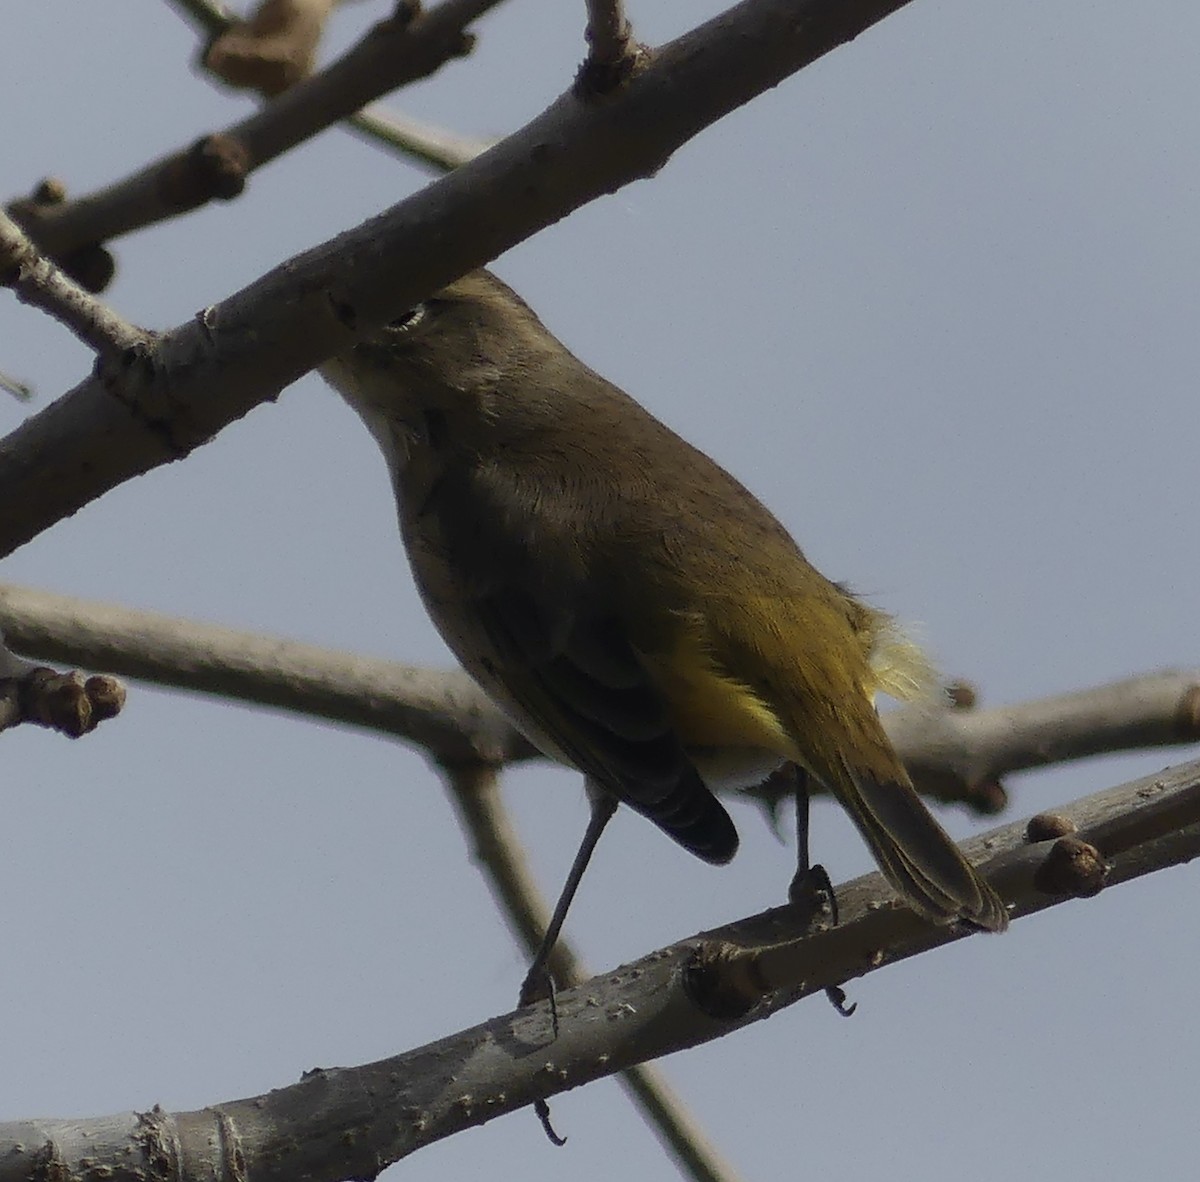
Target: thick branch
{"points": [[208, 372], [342, 1123]]}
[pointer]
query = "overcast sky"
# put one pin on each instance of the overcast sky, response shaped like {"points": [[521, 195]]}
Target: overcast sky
{"points": [[934, 299]]}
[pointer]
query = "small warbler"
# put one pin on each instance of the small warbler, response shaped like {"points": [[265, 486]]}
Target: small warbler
{"points": [[635, 611]]}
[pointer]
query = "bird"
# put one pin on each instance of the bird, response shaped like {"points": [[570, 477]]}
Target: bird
{"points": [[632, 608]]}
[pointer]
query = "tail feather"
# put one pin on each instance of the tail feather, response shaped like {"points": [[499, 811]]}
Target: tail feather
{"points": [[915, 853]]}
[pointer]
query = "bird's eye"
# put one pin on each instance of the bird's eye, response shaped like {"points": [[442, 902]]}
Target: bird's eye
{"points": [[409, 319]]}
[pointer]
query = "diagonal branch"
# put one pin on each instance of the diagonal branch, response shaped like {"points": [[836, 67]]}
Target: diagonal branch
{"points": [[433, 147], [394, 53], [354, 1122], [21, 391], [423, 143], [204, 374], [475, 793], [39, 283], [212, 17]]}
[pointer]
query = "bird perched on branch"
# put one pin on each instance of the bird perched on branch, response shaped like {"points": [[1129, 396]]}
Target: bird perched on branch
{"points": [[635, 611]]}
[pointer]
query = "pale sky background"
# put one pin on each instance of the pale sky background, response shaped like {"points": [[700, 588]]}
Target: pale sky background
{"points": [[934, 299]]}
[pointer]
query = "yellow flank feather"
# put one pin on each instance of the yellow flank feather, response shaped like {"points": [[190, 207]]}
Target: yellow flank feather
{"points": [[708, 707], [757, 676], [734, 677]]}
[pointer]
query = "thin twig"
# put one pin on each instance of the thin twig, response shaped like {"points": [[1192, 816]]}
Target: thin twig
{"points": [[213, 18], [38, 282], [613, 54], [423, 143], [639, 1012], [497, 850], [64, 702], [21, 391], [608, 30]]}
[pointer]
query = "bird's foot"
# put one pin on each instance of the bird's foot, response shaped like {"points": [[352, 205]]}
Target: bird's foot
{"points": [[811, 891], [539, 986]]}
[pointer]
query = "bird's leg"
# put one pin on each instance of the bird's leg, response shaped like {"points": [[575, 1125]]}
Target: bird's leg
{"points": [[538, 984], [811, 889]]}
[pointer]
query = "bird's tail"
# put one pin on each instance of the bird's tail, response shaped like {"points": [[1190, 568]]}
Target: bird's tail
{"points": [[914, 852]]}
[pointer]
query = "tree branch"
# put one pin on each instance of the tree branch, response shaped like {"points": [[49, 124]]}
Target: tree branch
{"points": [[497, 849], [21, 391], [613, 54], [394, 53], [273, 48], [39, 283], [433, 147], [423, 143], [608, 31], [212, 17], [204, 374], [954, 755], [340, 1123], [962, 754], [64, 702], [440, 710]]}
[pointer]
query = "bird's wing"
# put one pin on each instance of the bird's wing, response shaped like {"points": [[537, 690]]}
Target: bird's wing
{"points": [[579, 681]]}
